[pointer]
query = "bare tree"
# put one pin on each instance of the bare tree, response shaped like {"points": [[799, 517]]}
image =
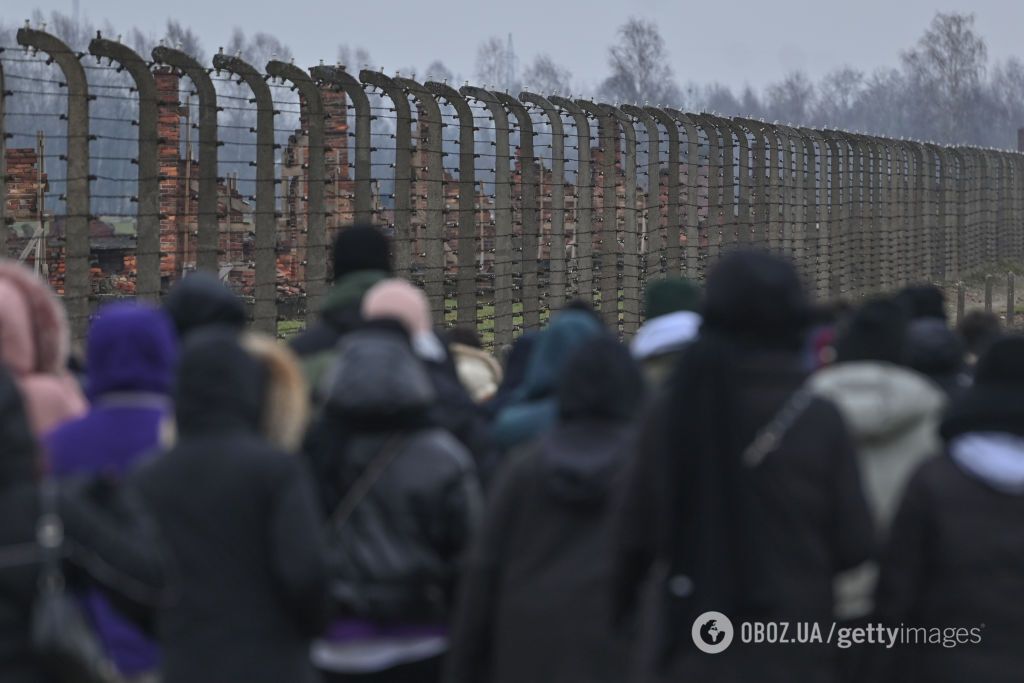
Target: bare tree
{"points": [[839, 93], [497, 64], [545, 76], [947, 69], [640, 70], [437, 71], [354, 58], [791, 99], [184, 39]]}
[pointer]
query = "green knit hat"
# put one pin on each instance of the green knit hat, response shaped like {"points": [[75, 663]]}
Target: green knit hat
{"points": [[669, 295]]}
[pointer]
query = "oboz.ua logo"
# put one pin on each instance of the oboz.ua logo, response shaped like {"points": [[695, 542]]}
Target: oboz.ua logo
{"points": [[712, 632]]}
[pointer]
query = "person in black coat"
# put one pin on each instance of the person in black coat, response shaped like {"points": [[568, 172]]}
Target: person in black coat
{"points": [[535, 601], [955, 557], [756, 531], [107, 539], [243, 532]]}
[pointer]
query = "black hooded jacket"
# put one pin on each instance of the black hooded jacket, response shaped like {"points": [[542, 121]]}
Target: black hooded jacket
{"points": [[240, 521], [395, 558], [107, 541], [535, 602]]}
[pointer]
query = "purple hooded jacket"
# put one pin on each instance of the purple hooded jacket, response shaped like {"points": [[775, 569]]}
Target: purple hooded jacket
{"points": [[131, 357]]}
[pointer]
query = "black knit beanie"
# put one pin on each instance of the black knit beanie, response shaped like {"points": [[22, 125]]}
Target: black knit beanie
{"points": [[876, 331], [995, 403], [360, 247]]}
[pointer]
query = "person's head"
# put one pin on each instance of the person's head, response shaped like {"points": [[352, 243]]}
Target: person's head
{"points": [[401, 300], [583, 306], [670, 295], [467, 336], [360, 247], [131, 348], [995, 402], [979, 330], [201, 300], [567, 331], [876, 331], [755, 298], [600, 381], [228, 383], [922, 301], [936, 351]]}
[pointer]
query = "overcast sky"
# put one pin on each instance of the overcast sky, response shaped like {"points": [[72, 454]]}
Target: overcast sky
{"points": [[708, 41]]}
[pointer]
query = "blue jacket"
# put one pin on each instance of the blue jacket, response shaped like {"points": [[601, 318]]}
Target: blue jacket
{"points": [[132, 351]]}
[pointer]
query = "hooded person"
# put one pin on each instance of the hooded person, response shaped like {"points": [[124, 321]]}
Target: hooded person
{"points": [[744, 492], [516, 359], [955, 555], [35, 345], [938, 353], [109, 544], [922, 301], [403, 500], [453, 408], [533, 408], [672, 321], [201, 300], [361, 259], [535, 598], [892, 413], [131, 354], [239, 520]]}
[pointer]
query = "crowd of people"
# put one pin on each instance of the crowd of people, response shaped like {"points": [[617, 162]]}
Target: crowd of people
{"points": [[378, 500]]}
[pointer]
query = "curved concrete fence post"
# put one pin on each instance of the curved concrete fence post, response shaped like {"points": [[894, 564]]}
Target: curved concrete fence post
{"points": [[265, 228], [673, 265], [796, 168], [208, 236], [650, 220], [945, 227], [882, 203], [930, 183], [853, 177], [77, 284], [918, 208], [789, 211], [342, 80], [316, 213], [465, 242], [694, 249], [873, 227], [730, 183], [991, 181], [403, 238], [763, 216], [630, 286], [556, 238], [528, 211], [833, 233], [743, 221], [504, 252], [958, 236], [608, 240], [583, 225], [147, 246], [815, 190], [897, 218], [715, 201], [429, 131]]}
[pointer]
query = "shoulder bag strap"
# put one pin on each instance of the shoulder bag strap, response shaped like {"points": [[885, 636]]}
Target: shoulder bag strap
{"points": [[364, 484], [770, 436]]}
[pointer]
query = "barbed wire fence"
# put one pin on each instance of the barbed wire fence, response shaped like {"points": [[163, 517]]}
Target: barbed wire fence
{"points": [[502, 206]]}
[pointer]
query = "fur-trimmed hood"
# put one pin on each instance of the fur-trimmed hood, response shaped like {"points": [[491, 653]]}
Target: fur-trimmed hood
{"points": [[478, 371], [285, 394], [34, 345]]}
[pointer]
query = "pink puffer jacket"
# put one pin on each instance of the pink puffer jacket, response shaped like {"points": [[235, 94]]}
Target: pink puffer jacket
{"points": [[34, 346]]}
